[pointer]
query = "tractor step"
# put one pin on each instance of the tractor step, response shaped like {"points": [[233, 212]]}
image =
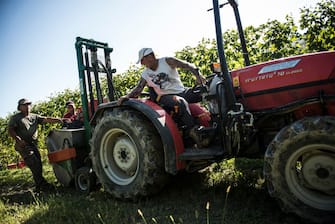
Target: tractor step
{"points": [[201, 154]]}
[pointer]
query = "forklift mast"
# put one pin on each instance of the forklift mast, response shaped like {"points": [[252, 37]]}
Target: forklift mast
{"points": [[91, 71]]}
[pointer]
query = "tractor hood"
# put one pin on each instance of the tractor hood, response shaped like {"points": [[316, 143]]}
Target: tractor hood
{"points": [[280, 82]]}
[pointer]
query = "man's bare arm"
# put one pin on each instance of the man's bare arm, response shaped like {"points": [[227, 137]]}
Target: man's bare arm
{"points": [[134, 92], [177, 63], [138, 89], [52, 120]]}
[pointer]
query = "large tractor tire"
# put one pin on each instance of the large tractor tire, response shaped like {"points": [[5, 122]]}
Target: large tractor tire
{"points": [[300, 169], [127, 155]]}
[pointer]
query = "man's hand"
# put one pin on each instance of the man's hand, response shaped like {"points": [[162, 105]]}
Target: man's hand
{"points": [[200, 79], [20, 142], [66, 120]]}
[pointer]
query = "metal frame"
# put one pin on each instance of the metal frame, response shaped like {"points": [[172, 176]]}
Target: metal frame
{"points": [[88, 64]]}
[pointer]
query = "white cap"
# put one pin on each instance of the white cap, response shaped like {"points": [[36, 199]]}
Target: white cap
{"points": [[144, 52]]}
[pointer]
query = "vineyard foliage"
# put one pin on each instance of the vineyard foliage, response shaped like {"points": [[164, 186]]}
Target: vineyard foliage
{"points": [[272, 40]]}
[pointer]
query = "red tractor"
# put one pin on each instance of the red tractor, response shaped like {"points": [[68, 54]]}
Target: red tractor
{"points": [[282, 110]]}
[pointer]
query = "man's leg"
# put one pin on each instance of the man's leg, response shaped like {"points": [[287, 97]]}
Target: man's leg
{"points": [[190, 96], [32, 159], [179, 107]]}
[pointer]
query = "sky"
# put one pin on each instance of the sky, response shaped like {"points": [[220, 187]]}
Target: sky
{"points": [[37, 37]]}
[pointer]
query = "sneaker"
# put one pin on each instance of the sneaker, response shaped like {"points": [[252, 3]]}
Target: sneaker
{"points": [[196, 136]]}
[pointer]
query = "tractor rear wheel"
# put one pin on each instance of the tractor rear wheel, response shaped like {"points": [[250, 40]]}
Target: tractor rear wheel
{"points": [[300, 168], [127, 155]]}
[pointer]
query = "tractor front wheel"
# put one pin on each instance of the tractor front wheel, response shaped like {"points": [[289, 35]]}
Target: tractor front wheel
{"points": [[85, 180], [127, 155], [300, 168]]}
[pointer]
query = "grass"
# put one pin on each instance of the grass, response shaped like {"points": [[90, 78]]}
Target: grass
{"points": [[228, 192]]}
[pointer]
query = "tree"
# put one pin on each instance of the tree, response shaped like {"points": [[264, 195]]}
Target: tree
{"points": [[202, 56], [275, 40], [318, 25]]}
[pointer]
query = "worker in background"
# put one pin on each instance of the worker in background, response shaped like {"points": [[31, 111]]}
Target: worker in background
{"points": [[71, 110], [22, 127], [167, 90], [73, 115]]}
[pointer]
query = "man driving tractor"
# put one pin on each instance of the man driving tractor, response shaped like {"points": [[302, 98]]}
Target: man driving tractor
{"points": [[166, 89]]}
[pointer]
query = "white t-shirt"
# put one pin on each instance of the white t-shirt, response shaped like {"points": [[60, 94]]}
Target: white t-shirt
{"points": [[165, 80]]}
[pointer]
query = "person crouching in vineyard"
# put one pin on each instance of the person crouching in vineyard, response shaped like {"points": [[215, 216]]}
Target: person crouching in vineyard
{"points": [[22, 127]]}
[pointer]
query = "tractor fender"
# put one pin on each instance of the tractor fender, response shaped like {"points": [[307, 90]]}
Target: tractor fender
{"points": [[164, 124]]}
